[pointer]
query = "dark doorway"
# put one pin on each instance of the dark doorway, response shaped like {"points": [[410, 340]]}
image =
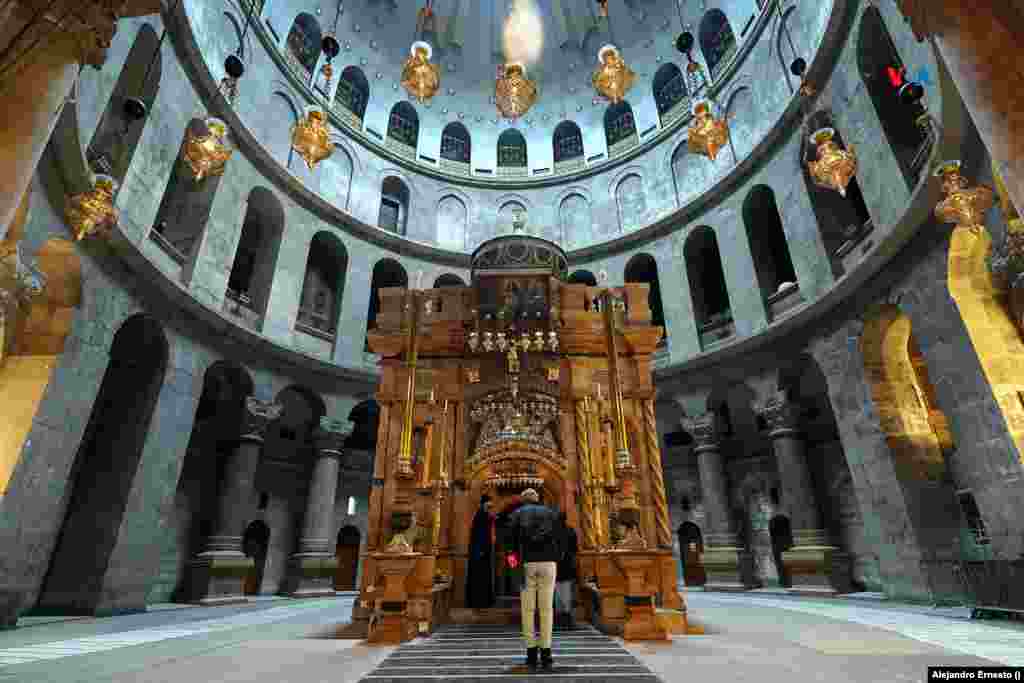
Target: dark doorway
{"points": [[255, 543], [104, 470], [782, 540], [347, 553], [691, 547]]}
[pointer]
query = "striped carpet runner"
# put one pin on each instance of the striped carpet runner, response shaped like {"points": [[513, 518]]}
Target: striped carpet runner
{"points": [[495, 654]]}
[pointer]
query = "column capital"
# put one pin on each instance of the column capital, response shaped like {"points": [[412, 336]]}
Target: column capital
{"points": [[781, 414], [704, 430], [329, 436], [257, 416]]}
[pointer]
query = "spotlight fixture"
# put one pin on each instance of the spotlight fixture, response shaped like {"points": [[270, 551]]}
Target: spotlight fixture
{"points": [[908, 92]]}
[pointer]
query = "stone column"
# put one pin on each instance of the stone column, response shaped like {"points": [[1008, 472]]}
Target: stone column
{"points": [[311, 570], [218, 573], [813, 564], [724, 560]]}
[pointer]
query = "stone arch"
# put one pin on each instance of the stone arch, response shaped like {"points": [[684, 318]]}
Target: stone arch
{"points": [[365, 419], [255, 260], [302, 45], [282, 109], [323, 286], [116, 138], [567, 142], [582, 277], [336, 173], [793, 49], [353, 91], [508, 206], [104, 469], [404, 125], [301, 410], [741, 113], [881, 68], [768, 246], [32, 340], [575, 220], [708, 288], [643, 268], [456, 143], [448, 280], [631, 202], [185, 208], [452, 223], [387, 272], [512, 150], [394, 205], [733, 406], [717, 41], [669, 87]]}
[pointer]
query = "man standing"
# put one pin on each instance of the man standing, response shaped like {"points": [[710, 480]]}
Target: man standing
{"points": [[480, 573], [566, 578], [540, 542]]}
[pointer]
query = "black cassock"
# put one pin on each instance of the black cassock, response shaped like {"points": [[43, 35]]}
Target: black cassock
{"points": [[480, 573]]}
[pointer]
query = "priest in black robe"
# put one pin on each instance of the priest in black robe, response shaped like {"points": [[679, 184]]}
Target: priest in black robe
{"points": [[480, 572]]}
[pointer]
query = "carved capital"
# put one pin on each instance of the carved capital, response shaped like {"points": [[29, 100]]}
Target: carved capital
{"points": [[330, 435], [782, 415], [704, 430], [257, 416]]}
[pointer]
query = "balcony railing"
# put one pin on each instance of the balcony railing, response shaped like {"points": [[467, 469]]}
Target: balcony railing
{"points": [[315, 324], [168, 247], [719, 326]]}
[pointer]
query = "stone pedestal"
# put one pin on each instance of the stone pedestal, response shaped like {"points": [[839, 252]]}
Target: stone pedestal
{"points": [[391, 624], [636, 569], [217, 575]]}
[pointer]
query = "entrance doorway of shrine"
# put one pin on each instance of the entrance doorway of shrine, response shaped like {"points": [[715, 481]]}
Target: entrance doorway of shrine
{"points": [[347, 554]]}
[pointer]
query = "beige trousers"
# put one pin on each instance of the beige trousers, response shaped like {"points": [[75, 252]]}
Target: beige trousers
{"points": [[538, 593]]}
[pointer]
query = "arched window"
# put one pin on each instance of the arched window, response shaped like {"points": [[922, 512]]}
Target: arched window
{"points": [[711, 308], [353, 93], [303, 44], [619, 128], [717, 41], [568, 145], [643, 268], [116, 137], [184, 208], [386, 273], [669, 91], [394, 206], [448, 280], [575, 221], [404, 128], [455, 143], [452, 221], [768, 247], [252, 271], [631, 201], [323, 286], [582, 277], [884, 74], [512, 153], [842, 221]]}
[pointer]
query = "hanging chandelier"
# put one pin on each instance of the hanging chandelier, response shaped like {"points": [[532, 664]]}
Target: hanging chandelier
{"points": [[707, 134], [420, 77], [514, 92], [835, 167], [613, 77], [206, 154], [93, 212], [962, 205], [310, 137]]}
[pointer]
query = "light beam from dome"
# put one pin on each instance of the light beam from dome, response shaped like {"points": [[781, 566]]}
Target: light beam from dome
{"points": [[523, 34]]}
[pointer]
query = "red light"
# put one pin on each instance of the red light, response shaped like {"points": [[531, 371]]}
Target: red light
{"points": [[512, 560], [895, 76]]}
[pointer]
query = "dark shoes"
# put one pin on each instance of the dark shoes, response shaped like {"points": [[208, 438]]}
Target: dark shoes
{"points": [[531, 657], [545, 659]]}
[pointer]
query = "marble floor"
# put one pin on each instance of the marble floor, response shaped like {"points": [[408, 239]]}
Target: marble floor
{"points": [[749, 637]]}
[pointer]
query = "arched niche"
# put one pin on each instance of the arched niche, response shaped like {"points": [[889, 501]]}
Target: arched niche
{"points": [[365, 419], [512, 158], [448, 280], [669, 87], [733, 406], [386, 273], [882, 70], [116, 137], [104, 469], [582, 277], [185, 207], [643, 268], [353, 92], [567, 144], [741, 113], [842, 221], [34, 340], [280, 117], [631, 202], [347, 554], [509, 213], [620, 128], [456, 144], [404, 128], [255, 261], [394, 205], [575, 221], [335, 180], [323, 286], [452, 223], [711, 308], [717, 41], [691, 548], [302, 46], [766, 237]]}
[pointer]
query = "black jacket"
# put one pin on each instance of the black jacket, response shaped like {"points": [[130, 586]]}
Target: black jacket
{"points": [[523, 521], [567, 565]]}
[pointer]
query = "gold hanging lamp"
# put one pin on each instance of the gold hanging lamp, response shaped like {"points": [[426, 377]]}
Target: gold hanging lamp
{"points": [[963, 205], [420, 77], [707, 134], [311, 138], [835, 167], [93, 213], [206, 151], [514, 92]]}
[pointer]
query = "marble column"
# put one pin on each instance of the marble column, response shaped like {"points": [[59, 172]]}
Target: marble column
{"points": [[813, 563], [218, 573], [312, 569], [726, 564]]}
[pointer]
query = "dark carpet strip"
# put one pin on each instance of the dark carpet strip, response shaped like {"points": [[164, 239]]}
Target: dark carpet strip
{"points": [[495, 654]]}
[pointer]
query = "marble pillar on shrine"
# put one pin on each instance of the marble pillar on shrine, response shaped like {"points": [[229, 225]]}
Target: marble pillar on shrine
{"points": [[813, 563], [218, 572]]}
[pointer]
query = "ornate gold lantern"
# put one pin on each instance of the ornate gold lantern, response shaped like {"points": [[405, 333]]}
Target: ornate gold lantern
{"points": [[707, 134], [310, 137], [514, 93], [962, 205], [93, 212], [420, 77], [835, 167], [613, 78], [20, 281], [206, 154]]}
